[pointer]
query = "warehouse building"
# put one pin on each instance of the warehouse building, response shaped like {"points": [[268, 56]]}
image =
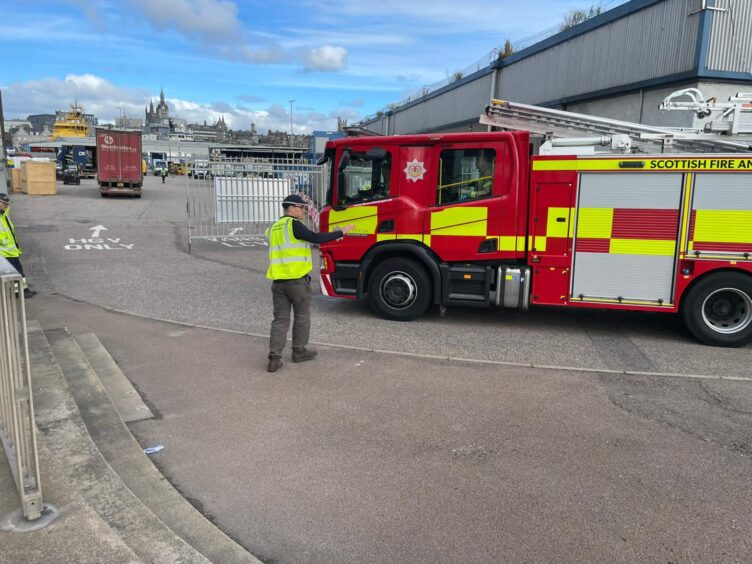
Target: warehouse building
{"points": [[620, 65]]}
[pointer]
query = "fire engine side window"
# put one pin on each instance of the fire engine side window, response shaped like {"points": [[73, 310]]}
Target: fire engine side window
{"points": [[366, 179], [465, 174]]}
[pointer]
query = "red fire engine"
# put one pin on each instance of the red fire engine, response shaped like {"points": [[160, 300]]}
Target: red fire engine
{"points": [[472, 219]]}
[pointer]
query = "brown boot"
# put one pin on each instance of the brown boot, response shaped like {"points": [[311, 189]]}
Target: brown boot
{"points": [[301, 355], [274, 363]]}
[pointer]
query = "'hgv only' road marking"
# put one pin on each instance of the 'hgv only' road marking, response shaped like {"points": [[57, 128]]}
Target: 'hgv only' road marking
{"points": [[97, 244]]}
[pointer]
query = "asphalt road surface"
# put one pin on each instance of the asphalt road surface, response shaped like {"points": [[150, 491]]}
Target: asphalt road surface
{"points": [[365, 456]]}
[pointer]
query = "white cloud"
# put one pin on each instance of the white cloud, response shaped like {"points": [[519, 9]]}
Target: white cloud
{"points": [[213, 18], [106, 101], [215, 25], [276, 117], [327, 58], [95, 94]]}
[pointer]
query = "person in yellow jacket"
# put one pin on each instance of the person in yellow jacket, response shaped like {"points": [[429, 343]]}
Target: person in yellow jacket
{"points": [[290, 264], [9, 248]]}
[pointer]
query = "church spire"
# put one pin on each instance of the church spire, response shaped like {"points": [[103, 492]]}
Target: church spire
{"points": [[161, 94]]}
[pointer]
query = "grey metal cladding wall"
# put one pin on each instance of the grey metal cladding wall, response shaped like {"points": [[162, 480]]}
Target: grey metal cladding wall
{"points": [[463, 103], [731, 37], [658, 41]]}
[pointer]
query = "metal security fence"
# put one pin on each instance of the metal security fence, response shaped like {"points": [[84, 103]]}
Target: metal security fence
{"points": [[236, 200], [17, 427]]}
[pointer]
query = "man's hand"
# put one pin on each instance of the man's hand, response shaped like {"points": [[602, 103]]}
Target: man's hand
{"points": [[347, 228]]}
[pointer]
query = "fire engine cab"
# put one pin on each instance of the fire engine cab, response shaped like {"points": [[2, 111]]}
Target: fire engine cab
{"points": [[636, 218]]}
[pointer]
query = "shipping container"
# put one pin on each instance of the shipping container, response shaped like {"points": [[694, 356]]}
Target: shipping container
{"points": [[119, 162]]}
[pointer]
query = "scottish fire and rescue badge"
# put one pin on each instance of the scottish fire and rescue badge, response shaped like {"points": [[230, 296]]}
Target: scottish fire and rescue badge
{"points": [[414, 170]]}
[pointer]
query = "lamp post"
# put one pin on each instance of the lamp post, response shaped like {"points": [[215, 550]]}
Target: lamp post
{"points": [[291, 102]]}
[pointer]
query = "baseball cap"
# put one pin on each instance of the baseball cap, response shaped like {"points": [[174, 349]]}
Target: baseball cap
{"points": [[4, 198], [293, 200]]}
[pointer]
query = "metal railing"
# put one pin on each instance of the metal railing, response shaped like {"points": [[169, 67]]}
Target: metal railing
{"points": [[17, 427], [236, 200]]}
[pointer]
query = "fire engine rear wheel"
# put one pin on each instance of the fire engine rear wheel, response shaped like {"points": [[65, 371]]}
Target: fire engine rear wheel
{"points": [[718, 310], [399, 289]]}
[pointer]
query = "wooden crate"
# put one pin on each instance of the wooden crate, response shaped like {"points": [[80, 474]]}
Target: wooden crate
{"points": [[15, 179], [38, 177]]}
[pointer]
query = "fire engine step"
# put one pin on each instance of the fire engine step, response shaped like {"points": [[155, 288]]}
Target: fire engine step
{"points": [[466, 284]]}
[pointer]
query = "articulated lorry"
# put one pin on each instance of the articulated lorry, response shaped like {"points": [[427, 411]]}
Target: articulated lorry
{"points": [[119, 162], [621, 216]]}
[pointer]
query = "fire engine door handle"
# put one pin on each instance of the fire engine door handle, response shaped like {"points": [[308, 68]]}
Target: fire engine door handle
{"points": [[561, 219], [386, 226]]}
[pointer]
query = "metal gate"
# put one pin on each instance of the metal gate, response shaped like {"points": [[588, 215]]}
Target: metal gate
{"points": [[236, 200]]}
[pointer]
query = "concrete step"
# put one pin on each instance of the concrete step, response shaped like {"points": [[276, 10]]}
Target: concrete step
{"points": [[78, 534], [68, 440], [124, 396], [126, 457]]}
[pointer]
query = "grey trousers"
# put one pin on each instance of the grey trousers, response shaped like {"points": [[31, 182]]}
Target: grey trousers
{"points": [[288, 294]]}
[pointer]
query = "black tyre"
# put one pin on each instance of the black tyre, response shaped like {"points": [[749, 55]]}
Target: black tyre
{"points": [[399, 289], [104, 195], [718, 309]]}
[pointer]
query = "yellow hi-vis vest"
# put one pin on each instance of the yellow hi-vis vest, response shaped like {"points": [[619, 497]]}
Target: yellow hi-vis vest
{"points": [[289, 258], [8, 246]]}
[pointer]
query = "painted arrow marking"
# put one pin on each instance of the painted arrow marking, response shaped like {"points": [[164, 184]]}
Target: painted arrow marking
{"points": [[235, 231], [97, 229]]}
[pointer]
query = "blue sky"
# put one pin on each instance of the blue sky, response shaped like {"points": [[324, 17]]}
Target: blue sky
{"points": [[245, 59]]}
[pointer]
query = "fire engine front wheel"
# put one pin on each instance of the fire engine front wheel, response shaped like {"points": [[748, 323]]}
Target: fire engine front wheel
{"points": [[399, 289], [718, 310]]}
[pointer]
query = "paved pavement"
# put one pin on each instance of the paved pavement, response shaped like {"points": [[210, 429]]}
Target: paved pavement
{"points": [[371, 457]]}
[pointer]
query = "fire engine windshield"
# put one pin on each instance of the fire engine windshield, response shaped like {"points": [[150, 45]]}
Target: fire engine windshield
{"points": [[365, 179]]}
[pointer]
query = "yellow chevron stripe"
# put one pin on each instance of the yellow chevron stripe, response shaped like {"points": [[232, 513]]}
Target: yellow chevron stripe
{"points": [[540, 244], [685, 216], [555, 228], [365, 219], [462, 221], [723, 226], [650, 165], [511, 243], [653, 247], [595, 223]]}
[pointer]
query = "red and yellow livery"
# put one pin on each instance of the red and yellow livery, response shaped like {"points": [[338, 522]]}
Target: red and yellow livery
{"points": [[472, 219]]}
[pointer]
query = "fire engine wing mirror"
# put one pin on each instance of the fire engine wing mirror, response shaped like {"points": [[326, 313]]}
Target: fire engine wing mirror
{"points": [[376, 154], [344, 160], [322, 160]]}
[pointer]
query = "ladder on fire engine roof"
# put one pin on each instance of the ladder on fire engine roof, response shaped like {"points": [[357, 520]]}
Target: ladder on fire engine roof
{"points": [[735, 116], [571, 130]]}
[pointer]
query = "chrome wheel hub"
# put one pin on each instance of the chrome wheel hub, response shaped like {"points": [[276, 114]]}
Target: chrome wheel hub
{"points": [[727, 311], [398, 290]]}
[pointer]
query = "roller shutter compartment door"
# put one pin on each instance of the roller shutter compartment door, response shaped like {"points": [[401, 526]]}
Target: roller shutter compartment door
{"points": [[721, 221], [626, 233]]}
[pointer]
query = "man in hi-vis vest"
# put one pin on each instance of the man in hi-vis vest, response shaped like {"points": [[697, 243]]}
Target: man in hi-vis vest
{"points": [[9, 247], [290, 265]]}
